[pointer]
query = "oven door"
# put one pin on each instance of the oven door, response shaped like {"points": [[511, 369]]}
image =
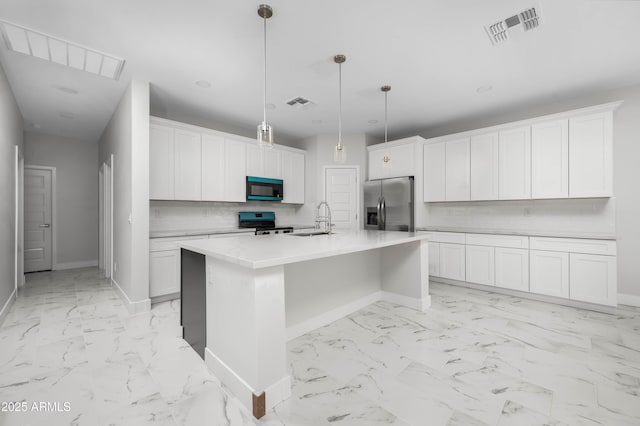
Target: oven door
{"points": [[264, 189]]}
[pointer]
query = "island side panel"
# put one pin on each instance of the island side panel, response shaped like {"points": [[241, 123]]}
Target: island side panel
{"points": [[405, 274], [246, 345], [192, 299]]}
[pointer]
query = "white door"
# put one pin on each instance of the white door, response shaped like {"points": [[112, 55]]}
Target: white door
{"points": [[484, 167], [512, 268], [452, 261], [591, 155], [549, 273], [187, 150], [341, 192], [37, 220], [213, 168], [514, 163], [434, 172], [592, 278], [480, 265], [457, 178], [550, 159], [161, 162]]}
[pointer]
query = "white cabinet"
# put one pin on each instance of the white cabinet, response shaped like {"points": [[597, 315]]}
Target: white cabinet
{"points": [[480, 268], [484, 166], [402, 159], [549, 273], [213, 168], [434, 172], [254, 160], [591, 155], [164, 272], [293, 175], [272, 163], [188, 165], [514, 163], [592, 278], [263, 162], [161, 162], [457, 178], [235, 172], [550, 159], [452, 261], [512, 268], [434, 259]]}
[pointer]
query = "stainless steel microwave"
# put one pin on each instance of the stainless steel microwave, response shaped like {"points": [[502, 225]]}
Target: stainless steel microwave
{"points": [[264, 189]]}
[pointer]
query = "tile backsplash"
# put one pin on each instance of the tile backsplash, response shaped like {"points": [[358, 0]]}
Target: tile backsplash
{"points": [[187, 215]]}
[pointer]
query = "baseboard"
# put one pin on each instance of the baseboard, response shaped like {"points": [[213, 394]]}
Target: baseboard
{"points": [[629, 300], [409, 302], [276, 393], [165, 298], [75, 265], [7, 305], [133, 307], [306, 326]]}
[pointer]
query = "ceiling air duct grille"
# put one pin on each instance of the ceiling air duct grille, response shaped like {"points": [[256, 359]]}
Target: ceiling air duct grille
{"points": [[301, 103], [510, 27]]}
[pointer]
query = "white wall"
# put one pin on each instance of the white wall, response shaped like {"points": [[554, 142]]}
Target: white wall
{"points": [[76, 164], [127, 138], [590, 216], [11, 134]]}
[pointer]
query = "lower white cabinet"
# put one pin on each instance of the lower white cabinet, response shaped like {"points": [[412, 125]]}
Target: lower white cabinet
{"points": [[549, 273], [451, 261], [592, 278], [512, 268], [164, 272], [434, 259], [480, 264]]}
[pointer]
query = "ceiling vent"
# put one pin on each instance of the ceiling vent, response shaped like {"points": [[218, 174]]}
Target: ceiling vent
{"points": [[43, 46], [301, 103], [514, 25]]}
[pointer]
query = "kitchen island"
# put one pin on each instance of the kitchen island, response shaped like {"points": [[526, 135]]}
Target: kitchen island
{"points": [[262, 291]]}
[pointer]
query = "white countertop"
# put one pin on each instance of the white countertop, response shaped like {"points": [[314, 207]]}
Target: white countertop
{"points": [[553, 234], [212, 231], [272, 250]]}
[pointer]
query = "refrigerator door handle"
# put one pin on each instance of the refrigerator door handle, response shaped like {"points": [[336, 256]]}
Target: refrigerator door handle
{"points": [[383, 212], [379, 212]]}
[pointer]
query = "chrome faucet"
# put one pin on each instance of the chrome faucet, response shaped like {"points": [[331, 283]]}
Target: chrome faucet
{"points": [[326, 220]]}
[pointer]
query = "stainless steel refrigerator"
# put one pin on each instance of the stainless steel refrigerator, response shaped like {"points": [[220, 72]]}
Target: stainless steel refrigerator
{"points": [[388, 204]]}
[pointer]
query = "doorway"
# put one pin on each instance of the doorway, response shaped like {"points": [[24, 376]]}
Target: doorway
{"points": [[39, 218], [106, 217], [342, 193]]}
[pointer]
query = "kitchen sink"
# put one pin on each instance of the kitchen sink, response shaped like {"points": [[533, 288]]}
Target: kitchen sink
{"points": [[308, 234]]}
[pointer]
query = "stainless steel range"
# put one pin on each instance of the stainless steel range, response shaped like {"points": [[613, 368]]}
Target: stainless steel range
{"points": [[264, 222]]}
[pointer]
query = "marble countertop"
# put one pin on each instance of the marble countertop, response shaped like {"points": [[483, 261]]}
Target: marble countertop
{"points": [[273, 250], [553, 234], [212, 231]]}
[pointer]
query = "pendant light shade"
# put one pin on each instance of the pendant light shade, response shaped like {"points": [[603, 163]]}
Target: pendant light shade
{"points": [[386, 159], [265, 131], [340, 152]]}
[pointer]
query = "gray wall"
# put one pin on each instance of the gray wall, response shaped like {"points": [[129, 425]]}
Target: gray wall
{"points": [[10, 135], [76, 164], [626, 171], [127, 138]]}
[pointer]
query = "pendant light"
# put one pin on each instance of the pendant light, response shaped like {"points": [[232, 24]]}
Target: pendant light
{"points": [[386, 160], [265, 131], [340, 153]]}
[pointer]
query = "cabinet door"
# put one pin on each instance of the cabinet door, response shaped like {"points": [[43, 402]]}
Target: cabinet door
{"points": [[254, 160], [434, 172], [484, 167], [235, 176], [550, 159], [452, 263], [591, 155], [188, 165], [512, 268], [161, 162], [434, 259], [213, 168], [402, 159], [164, 272], [457, 178], [592, 278], [376, 171], [293, 177], [514, 164], [549, 273], [272, 163], [480, 265]]}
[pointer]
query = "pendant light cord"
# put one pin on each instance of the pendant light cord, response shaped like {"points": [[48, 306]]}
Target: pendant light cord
{"points": [[386, 140], [264, 104], [340, 104]]}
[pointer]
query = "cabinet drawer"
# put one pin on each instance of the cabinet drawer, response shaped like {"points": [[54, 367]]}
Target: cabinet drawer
{"points": [[446, 237], [574, 245], [509, 241], [170, 243]]}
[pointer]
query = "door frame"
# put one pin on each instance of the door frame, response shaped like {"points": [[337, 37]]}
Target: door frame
{"points": [[105, 217], [358, 188], [19, 219], [54, 216]]}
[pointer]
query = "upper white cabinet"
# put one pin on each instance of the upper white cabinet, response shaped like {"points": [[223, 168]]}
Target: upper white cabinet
{"points": [[514, 163], [434, 172], [264, 162], [401, 157], [293, 176], [484, 166], [550, 159], [255, 161], [235, 174], [457, 178], [188, 165], [272, 163], [213, 168], [161, 164], [591, 155]]}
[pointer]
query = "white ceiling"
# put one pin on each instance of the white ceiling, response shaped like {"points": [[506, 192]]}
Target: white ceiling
{"points": [[434, 54]]}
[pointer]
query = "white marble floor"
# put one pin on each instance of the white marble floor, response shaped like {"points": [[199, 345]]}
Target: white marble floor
{"points": [[475, 358]]}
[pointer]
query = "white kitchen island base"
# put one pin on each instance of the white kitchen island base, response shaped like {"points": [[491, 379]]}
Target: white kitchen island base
{"points": [[262, 291]]}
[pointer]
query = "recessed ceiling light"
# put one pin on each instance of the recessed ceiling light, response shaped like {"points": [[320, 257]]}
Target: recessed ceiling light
{"points": [[373, 121], [67, 90], [204, 84], [270, 106], [66, 115], [484, 89], [316, 121]]}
